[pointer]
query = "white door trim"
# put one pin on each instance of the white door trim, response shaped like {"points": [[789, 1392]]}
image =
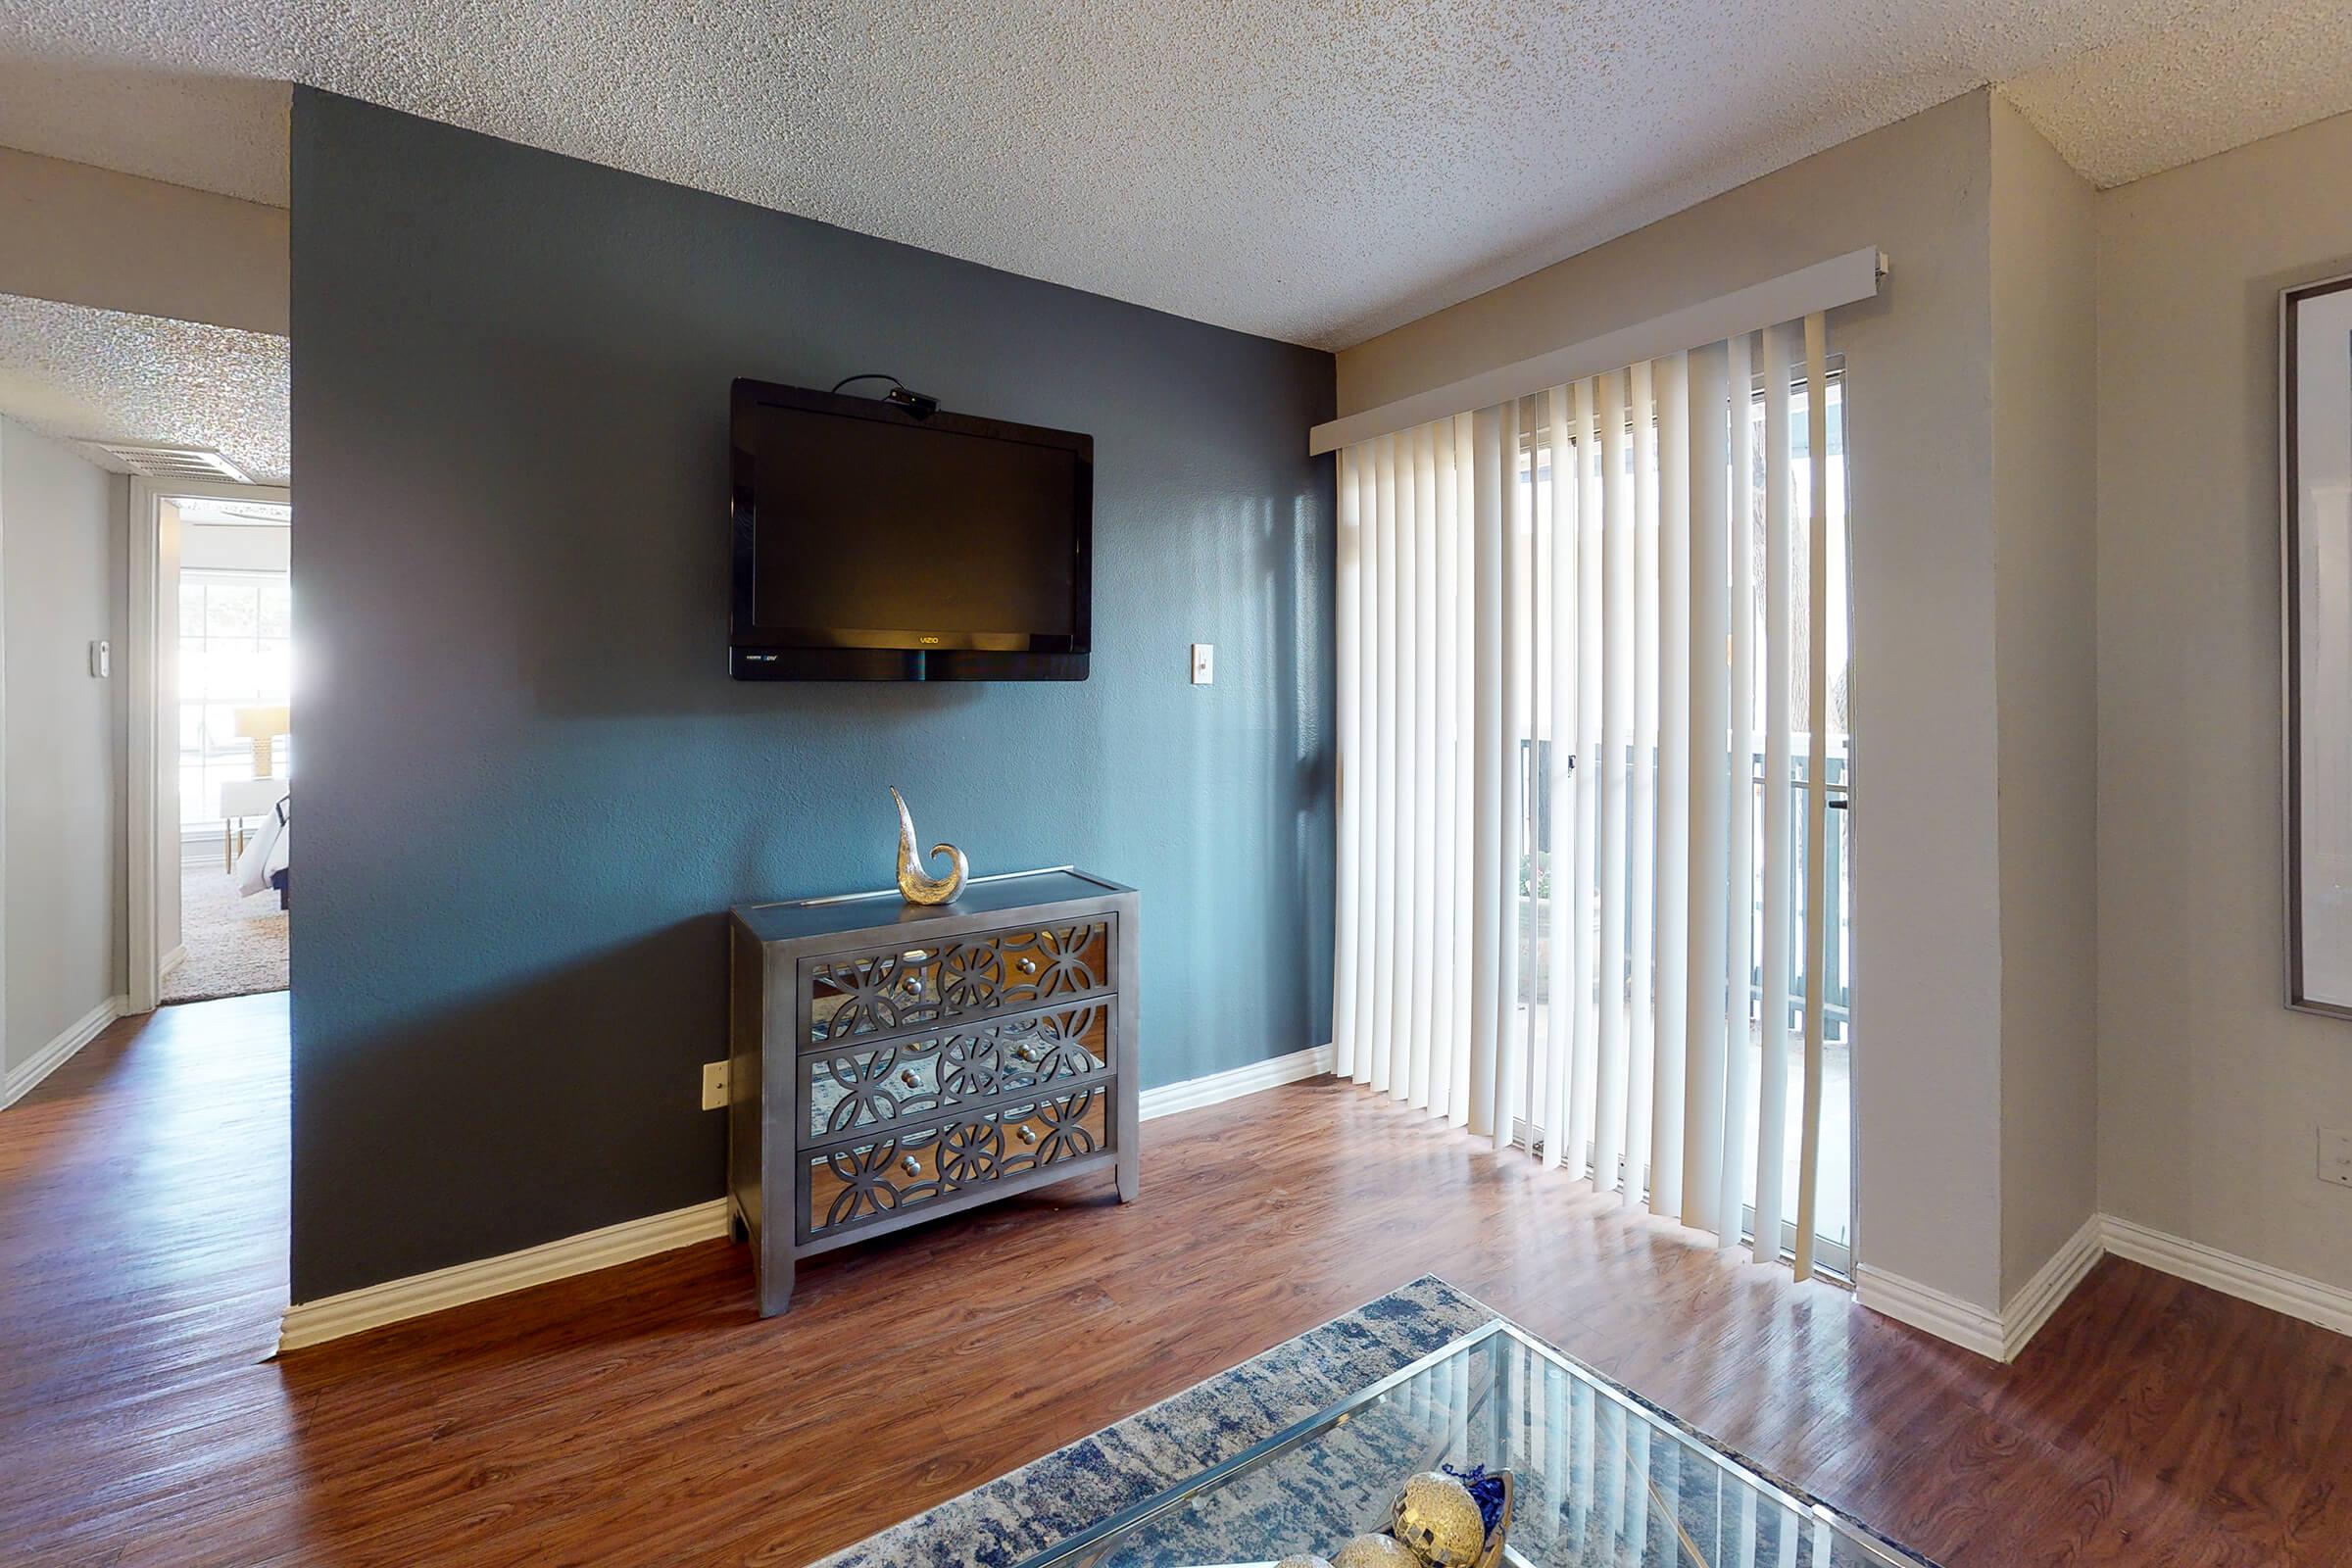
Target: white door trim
{"points": [[143, 666]]}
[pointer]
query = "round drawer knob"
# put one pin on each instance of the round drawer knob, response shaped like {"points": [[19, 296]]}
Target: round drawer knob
{"points": [[1027, 1053], [914, 985], [912, 1166], [1028, 1134], [909, 1078], [1028, 967]]}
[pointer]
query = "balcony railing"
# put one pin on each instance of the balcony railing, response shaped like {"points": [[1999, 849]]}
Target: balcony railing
{"points": [[1535, 883]]}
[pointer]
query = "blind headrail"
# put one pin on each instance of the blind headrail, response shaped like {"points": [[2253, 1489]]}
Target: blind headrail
{"points": [[1822, 286]]}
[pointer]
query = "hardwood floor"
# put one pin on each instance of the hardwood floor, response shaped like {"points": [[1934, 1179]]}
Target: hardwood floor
{"points": [[644, 1415]]}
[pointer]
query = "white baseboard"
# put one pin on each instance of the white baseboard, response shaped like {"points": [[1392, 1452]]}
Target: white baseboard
{"points": [[1930, 1310], [2002, 1336], [2295, 1295], [2052, 1283], [331, 1317], [172, 960], [1995, 1336], [1194, 1092], [57, 1053]]}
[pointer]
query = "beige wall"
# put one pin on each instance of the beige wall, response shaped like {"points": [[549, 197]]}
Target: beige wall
{"points": [[2210, 1091], [1920, 384], [62, 570], [2045, 508], [90, 237], [2065, 450]]}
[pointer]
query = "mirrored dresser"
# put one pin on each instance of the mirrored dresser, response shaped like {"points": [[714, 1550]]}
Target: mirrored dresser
{"points": [[892, 1063]]}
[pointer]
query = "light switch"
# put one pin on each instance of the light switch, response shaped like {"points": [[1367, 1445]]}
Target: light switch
{"points": [[1205, 663], [2335, 1157], [102, 659]]}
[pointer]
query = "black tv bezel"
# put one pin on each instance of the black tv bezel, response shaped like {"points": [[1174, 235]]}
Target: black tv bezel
{"points": [[800, 653]]}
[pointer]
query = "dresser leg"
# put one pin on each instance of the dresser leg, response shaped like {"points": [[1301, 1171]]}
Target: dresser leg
{"points": [[775, 1286], [1130, 1176]]}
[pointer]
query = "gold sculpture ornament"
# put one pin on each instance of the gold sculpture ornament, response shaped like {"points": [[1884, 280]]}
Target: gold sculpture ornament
{"points": [[915, 884], [1375, 1552], [1435, 1515]]}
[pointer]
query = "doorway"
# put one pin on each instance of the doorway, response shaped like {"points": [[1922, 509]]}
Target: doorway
{"points": [[212, 663]]}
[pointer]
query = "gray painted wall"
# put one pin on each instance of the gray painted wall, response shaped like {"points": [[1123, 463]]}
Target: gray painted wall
{"points": [[62, 566], [528, 786]]}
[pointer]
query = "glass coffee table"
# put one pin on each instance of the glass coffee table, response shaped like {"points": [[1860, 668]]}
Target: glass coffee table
{"points": [[1600, 1481]]}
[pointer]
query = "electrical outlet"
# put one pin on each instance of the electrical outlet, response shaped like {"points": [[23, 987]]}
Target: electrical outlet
{"points": [[714, 1086], [2335, 1157], [1205, 663]]}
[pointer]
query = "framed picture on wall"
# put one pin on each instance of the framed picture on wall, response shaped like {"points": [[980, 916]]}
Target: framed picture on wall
{"points": [[2315, 391]]}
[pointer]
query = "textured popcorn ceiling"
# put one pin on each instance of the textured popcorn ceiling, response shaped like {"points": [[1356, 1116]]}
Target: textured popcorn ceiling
{"points": [[1314, 170], [83, 375], [2214, 78]]}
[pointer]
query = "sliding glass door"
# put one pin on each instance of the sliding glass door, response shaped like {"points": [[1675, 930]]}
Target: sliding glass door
{"points": [[1546, 761], [1597, 771]]}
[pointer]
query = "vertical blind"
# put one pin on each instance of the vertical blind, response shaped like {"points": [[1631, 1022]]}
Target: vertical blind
{"points": [[1554, 662]]}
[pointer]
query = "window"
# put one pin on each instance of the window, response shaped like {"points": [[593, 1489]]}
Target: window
{"points": [[1835, 1213], [236, 651]]}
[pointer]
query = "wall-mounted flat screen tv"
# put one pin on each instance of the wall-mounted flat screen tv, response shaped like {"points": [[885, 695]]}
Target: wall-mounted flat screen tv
{"points": [[878, 541]]}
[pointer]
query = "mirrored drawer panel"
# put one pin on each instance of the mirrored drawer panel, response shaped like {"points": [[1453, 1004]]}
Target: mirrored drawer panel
{"points": [[851, 1089], [895, 1172], [894, 989]]}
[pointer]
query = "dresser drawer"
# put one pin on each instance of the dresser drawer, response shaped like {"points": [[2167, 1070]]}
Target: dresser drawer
{"points": [[894, 991], [847, 1089], [863, 1182]]}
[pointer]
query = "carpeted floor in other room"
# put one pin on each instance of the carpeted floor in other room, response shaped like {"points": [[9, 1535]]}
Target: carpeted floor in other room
{"points": [[237, 945]]}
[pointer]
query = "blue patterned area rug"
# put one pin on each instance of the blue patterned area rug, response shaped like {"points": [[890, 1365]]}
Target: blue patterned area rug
{"points": [[1015, 1516], [1052, 1500]]}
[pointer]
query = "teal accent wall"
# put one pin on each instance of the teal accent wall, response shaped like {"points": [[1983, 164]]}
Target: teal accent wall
{"points": [[528, 789]]}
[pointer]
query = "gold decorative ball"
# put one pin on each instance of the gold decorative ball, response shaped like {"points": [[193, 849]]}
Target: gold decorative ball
{"points": [[1304, 1559], [1437, 1518], [1375, 1552]]}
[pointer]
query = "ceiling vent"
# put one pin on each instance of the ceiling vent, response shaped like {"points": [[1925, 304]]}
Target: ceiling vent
{"points": [[171, 462]]}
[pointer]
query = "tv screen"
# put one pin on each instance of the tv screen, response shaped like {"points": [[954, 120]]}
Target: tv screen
{"points": [[874, 542]]}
